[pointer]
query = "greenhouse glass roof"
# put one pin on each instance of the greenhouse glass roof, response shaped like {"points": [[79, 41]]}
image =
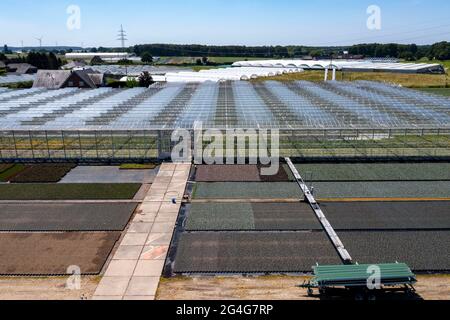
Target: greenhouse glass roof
{"points": [[240, 104]]}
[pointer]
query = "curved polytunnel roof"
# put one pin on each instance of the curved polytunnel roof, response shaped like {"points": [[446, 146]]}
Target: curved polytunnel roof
{"points": [[342, 64], [235, 73]]}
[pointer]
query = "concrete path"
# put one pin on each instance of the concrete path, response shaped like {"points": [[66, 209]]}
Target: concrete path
{"points": [[137, 265]]}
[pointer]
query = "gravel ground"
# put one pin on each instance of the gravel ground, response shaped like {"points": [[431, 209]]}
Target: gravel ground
{"points": [[253, 252], [46, 288], [198, 288], [53, 253], [421, 250], [272, 288], [388, 215], [65, 216], [108, 174]]}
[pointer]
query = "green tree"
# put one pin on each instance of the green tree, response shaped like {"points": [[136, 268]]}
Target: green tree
{"points": [[125, 62], [3, 57], [440, 51], [316, 53], [53, 63], [147, 57], [6, 49], [145, 79], [96, 61], [132, 83], [407, 55]]}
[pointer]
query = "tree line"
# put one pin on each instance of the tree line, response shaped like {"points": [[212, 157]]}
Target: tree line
{"points": [[440, 51], [41, 60], [176, 50]]}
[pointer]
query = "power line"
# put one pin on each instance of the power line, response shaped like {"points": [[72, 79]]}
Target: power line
{"points": [[122, 37], [390, 35], [424, 24]]}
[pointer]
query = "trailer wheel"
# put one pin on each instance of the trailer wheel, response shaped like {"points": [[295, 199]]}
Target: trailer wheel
{"points": [[310, 292]]}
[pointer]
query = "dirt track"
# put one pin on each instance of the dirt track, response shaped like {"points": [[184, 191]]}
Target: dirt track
{"points": [[236, 288], [271, 288], [45, 288]]}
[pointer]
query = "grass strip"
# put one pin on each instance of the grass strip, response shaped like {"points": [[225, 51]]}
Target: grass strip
{"points": [[135, 166], [123, 191], [6, 166], [6, 175]]}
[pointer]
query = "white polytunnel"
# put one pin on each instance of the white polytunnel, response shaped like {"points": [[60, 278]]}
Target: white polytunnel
{"points": [[349, 65], [230, 74]]}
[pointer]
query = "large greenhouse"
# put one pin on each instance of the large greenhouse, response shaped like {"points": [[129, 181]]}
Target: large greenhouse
{"points": [[315, 120]]}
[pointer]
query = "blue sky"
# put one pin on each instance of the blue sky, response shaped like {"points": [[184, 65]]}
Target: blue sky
{"points": [[248, 22]]}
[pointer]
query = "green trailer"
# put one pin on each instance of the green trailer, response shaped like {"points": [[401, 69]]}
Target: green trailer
{"points": [[361, 280]]}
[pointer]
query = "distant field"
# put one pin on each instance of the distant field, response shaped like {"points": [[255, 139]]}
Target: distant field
{"points": [[406, 80], [233, 59], [193, 60], [440, 91]]}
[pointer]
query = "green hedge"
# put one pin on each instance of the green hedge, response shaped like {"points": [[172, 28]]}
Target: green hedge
{"points": [[132, 166]]}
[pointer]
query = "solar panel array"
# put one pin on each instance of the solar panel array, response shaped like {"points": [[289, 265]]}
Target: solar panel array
{"points": [[290, 105]]}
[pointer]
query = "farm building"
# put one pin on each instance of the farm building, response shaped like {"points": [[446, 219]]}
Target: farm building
{"points": [[332, 119], [21, 68], [135, 71], [57, 79], [73, 64]]}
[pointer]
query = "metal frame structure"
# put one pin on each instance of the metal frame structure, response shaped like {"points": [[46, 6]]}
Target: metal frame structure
{"points": [[143, 145], [314, 120]]}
